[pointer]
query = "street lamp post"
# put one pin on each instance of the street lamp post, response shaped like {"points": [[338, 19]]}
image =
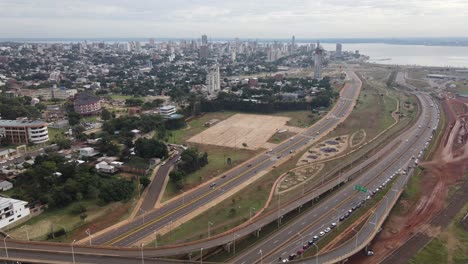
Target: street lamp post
{"points": [[357, 234], [375, 221], [155, 239], [73, 251], [144, 212], [302, 242], [142, 256], [6, 248], [316, 255], [234, 243], [88, 232], [386, 202], [209, 229], [250, 218], [201, 255]]}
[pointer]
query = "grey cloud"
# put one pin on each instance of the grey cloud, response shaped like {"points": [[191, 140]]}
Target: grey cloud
{"points": [[244, 18]]}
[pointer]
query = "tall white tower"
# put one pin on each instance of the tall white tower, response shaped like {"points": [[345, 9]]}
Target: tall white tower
{"points": [[318, 61], [213, 83]]}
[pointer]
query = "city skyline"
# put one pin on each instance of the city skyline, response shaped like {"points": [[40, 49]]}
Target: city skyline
{"points": [[272, 19]]}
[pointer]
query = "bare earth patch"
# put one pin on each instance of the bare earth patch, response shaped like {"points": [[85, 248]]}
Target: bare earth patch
{"points": [[242, 131]]}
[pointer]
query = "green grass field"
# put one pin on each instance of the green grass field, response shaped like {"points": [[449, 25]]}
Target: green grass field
{"points": [[462, 88], [195, 126], [216, 165], [418, 83], [372, 113], [434, 253], [299, 118], [124, 97], [55, 133], [280, 137], [39, 226]]}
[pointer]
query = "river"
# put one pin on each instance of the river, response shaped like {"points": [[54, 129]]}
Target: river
{"points": [[409, 54]]}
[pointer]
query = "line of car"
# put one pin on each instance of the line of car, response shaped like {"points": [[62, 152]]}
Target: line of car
{"points": [[341, 219]]}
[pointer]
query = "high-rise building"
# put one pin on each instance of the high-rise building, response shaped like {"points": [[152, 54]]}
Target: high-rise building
{"points": [[293, 44], [204, 40], [203, 52], [152, 42], [213, 83], [338, 49], [318, 61]]}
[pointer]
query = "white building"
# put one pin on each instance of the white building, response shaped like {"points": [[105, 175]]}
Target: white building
{"points": [[213, 83], [105, 167], [24, 131], [5, 185], [54, 76], [12, 210], [88, 152], [167, 110]]}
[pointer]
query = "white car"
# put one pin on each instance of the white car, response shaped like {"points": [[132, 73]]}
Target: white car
{"points": [[322, 234], [327, 230]]}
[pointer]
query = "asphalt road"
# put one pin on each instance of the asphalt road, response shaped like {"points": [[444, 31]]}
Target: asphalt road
{"points": [[291, 238], [156, 185]]}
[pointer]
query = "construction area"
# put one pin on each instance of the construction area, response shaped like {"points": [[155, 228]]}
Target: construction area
{"points": [[421, 224]]}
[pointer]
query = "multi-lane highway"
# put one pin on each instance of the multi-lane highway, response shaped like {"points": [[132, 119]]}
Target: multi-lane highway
{"points": [[405, 148]]}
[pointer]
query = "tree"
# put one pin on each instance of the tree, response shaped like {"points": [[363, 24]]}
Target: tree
{"points": [[63, 143], [105, 114], [145, 181], [133, 102], [74, 118], [41, 106], [150, 148], [116, 190]]}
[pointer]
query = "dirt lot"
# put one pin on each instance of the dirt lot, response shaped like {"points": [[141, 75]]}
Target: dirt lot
{"points": [[242, 131], [407, 231]]}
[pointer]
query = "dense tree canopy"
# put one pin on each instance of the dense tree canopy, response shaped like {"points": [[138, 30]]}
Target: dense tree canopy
{"points": [[150, 148], [191, 160], [12, 108], [53, 181]]}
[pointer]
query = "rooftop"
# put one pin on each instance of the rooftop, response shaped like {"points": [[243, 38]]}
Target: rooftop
{"points": [[86, 98], [167, 107], [22, 123]]}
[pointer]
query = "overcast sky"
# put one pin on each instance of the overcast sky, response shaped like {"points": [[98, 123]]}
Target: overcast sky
{"points": [[228, 18]]}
